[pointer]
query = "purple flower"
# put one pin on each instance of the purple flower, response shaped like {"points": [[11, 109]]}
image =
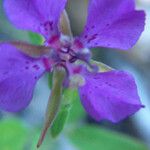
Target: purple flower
{"points": [[108, 95]]}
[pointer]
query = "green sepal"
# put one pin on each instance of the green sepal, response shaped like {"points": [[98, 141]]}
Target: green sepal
{"points": [[35, 38], [102, 67], [64, 112], [59, 122], [54, 101], [50, 80]]}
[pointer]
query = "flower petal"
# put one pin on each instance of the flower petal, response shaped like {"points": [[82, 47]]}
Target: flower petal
{"points": [[35, 15], [110, 95], [116, 24], [18, 76]]}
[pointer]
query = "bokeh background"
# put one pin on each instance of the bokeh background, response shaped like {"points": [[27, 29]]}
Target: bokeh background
{"points": [[20, 131]]}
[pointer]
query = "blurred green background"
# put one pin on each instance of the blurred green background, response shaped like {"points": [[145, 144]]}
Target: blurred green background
{"points": [[20, 131]]}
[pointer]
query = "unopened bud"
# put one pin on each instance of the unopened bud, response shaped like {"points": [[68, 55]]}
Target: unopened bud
{"points": [[76, 80]]}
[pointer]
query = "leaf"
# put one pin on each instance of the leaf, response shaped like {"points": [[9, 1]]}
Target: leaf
{"points": [[13, 135], [76, 112], [102, 67], [35, 38], [95, 138], [70, 109], [62, 116], [59, 122], [50, 78]]}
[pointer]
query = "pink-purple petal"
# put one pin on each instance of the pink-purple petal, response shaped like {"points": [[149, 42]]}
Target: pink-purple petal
{"points": [[18, 76], [110, 95], [112, 24], [40, 16]]}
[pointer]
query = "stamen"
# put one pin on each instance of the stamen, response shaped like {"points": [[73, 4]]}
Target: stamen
{"points": [[72, 53], [64, 50], [73, 59]]}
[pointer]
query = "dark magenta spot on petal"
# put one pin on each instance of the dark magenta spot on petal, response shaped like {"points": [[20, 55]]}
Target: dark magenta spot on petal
{"points": [[26, 67], [27, 62], [93, 37], [85, 36], [93, 27], [46, 63], [77, 70], [6, 72], [78, 44], [109, 84], [96, 87], [48, 25], [87, 28], [36, 67]]}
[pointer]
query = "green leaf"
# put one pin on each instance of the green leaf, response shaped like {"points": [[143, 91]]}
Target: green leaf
{"points": [[13, 135], [70, 108], [35, 38], [76, 112], [62, 116], [50, 78], [102, 67], [59, 122], [95, 138]]}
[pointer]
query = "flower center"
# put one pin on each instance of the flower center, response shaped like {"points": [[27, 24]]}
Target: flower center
{"points": [[70, 54], [65, 50]]}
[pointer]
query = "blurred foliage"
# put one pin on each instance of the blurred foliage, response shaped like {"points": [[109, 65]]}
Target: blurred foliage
{"points": [[13, 135], [8, 31], [48, 143], [77, 112], [95, 138]]}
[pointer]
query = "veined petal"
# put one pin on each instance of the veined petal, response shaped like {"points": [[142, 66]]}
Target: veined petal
{"points": [[110, 95], [116, 24], [35, 15], [18, 76]]}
